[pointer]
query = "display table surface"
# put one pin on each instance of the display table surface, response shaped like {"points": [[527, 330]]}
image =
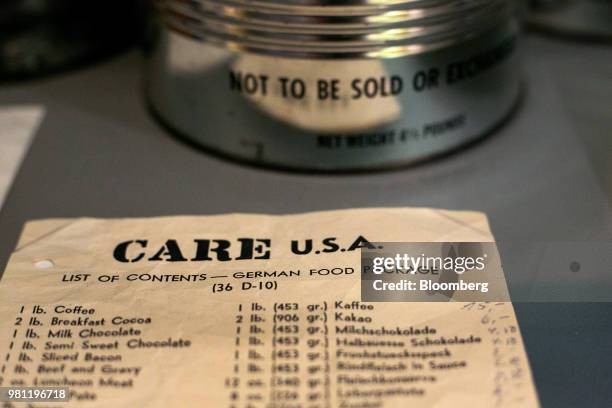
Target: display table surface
{"points": [[545, 177]]}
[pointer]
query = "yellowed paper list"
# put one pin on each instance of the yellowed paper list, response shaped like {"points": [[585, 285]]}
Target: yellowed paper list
{"points": [[244, 310]]}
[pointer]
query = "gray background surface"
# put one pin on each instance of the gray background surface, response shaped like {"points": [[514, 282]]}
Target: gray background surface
{"points": [[546, 177]]}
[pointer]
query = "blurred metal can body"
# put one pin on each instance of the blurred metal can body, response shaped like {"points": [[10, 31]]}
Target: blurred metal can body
{"points": [[333, 86]]}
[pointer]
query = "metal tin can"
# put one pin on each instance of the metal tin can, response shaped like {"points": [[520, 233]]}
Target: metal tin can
{"points": [[318, 86]]}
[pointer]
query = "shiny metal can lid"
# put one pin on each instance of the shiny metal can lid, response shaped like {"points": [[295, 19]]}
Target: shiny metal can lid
{"points": [[332, 31]]}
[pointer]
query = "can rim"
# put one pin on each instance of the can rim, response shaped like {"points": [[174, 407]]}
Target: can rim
{"points": [[334, 37]]}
